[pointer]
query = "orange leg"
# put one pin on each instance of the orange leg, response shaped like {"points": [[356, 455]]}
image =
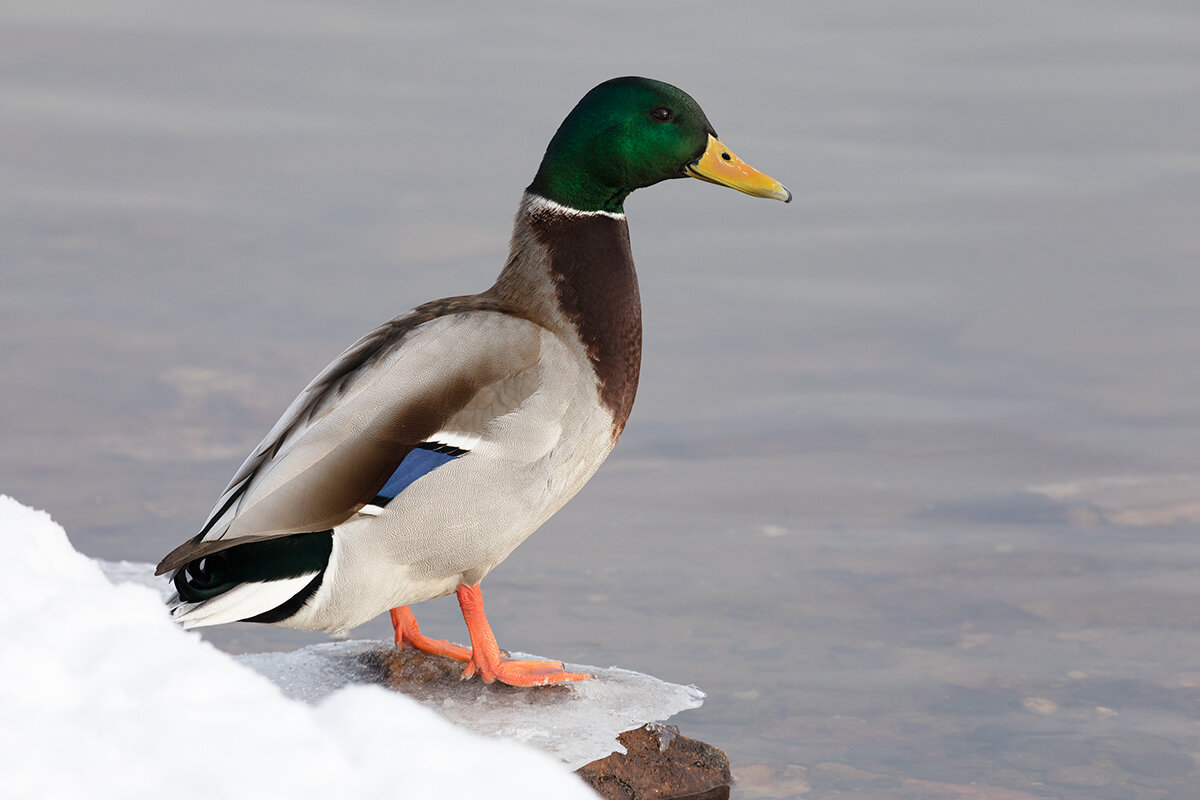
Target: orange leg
{"points": [[407, 631], [485, 658]]}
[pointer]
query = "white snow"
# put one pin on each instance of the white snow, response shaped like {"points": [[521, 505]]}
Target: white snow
{"points": [[101, 695]]}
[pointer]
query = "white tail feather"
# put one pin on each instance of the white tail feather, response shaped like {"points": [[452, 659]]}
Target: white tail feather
{"points": [[240, 602]]}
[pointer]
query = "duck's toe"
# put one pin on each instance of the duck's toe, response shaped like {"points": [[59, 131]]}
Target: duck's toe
{"points": [[522, 673]]}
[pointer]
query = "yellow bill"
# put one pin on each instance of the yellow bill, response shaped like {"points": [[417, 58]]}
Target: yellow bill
{"points": [[719, 165]]}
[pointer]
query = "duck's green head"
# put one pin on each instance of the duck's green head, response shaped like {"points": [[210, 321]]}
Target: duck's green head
{"points": [[633, 132]]}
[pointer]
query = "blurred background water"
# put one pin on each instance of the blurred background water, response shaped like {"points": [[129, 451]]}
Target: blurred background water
{"points": [[911, 488]]}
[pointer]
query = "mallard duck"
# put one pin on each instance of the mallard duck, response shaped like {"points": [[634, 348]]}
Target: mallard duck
{"points": [[426, 452]]}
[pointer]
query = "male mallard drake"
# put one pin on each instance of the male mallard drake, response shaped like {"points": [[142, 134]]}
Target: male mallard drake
{"points": [[424, 454]]}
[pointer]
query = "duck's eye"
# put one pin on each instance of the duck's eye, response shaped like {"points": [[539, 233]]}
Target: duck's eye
{"points": [[663, 114]]}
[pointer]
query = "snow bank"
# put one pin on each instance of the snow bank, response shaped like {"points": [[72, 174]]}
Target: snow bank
{"points": [[102, 696]]}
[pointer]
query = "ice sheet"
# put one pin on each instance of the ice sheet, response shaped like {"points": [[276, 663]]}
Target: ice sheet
{"points": [[577, 724]]}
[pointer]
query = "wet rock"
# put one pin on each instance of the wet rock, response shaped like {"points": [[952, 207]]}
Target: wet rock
{"points": [[660, 764], [434, 679]]}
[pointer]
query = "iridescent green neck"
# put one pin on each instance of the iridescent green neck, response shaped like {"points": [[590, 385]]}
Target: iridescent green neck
{"points": [[569, 184], [574, 172]]}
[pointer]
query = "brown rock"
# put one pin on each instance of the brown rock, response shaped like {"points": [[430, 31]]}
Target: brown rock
{"points": [[660, 764], [434, 679]]}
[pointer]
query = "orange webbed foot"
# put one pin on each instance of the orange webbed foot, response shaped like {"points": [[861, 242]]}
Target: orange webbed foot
{"points": [[407, 631], [522, 673], [486, 659]]}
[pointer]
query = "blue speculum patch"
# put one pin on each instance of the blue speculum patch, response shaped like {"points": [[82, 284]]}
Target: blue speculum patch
{"points": [[421, 460]]}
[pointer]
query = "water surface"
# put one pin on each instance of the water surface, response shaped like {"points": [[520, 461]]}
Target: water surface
{"points": [[911, 485]]}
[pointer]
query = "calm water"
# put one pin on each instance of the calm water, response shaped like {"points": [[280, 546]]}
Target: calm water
{"points": [[912, 486]]}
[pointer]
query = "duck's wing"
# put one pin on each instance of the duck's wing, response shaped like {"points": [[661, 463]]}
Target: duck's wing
{"points": [[432, 378]]}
